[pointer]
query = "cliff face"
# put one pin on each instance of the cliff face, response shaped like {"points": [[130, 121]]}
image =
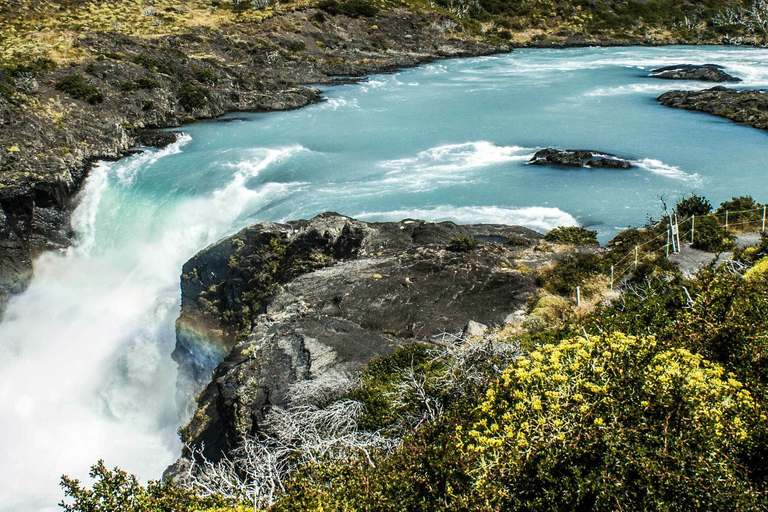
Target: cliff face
{"points": [[309, 300], [49, 137]]}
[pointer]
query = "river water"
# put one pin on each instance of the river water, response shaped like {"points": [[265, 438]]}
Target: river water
{"points": [[85, 367]]}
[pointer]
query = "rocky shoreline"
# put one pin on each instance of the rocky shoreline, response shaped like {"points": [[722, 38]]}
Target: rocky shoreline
{"points": [[748, 107], [309, 300], [50, 138]]}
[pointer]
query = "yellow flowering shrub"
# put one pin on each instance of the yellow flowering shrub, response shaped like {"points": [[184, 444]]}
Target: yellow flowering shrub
{"points": [[759, 269], [609, 423]]}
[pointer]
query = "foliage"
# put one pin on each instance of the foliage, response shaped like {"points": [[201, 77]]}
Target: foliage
{"points": [[117, 491], [143, 83], [462, 244], [192, 97], [611, 422], [151, 64], [743, 212], [693, 205], [38, 66], [571, 235], [572, 271], [351, 8], [75, 86], [710, 235]]}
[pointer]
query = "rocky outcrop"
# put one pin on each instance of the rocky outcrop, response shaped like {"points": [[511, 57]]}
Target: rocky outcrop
{"points": [[314, 299], [703, 72], [578, 158], [49, 138], [748, 107]]}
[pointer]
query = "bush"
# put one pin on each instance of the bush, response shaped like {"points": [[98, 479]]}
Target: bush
{"points": [[709, 235], [352, 8], [37, 66], [692, 205], [357, 8], [743, 213], [116, 490], [151, 64], [202, 75], [574, 270], [462, 244], [572, 236], [75, 86], [611, 423], [297, 46], [141, 83], [192, 97]]}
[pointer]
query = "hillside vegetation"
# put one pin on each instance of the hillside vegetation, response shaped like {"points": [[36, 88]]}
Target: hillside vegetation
{"points": [[654, 399], [52, 29]]}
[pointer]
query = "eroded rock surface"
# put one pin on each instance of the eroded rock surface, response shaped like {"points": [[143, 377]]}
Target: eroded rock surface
{"points": [[309, 299], [749, 107], [703, 72], [578, 158]]}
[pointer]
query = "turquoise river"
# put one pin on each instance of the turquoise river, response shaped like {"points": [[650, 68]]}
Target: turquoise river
{"points": [[85, 366]]}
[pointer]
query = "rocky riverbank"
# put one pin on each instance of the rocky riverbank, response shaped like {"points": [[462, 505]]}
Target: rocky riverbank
{"points": [[748, 107], [55, 122], [309, 300]]}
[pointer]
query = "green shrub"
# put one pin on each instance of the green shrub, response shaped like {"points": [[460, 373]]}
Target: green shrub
{"points": [[297, 46], [75, 86], [192, 97], [357, 8], [744, 213], [709, 235], [692, 205], [38, 66], [7, 85], [117, 491], [351, 8], [140, 83], [202, 75], [611, 423], [571, 235], [151, 64], [462, 244], [574, 270]]}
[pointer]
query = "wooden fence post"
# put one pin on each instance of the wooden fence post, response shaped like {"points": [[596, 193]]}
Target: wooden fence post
{"points": [[611, 277], [578, 297]]}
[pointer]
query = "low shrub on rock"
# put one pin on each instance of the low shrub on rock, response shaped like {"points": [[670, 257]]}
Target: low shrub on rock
{"points": [[462, 244], [192, 97], [76, 86], [571, 235]]}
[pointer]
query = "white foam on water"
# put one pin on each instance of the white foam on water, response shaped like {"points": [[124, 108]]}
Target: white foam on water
{"points": [[656, 87], [339, 103], [85, 367], [449, 163], [666, 170], [539, 218]]}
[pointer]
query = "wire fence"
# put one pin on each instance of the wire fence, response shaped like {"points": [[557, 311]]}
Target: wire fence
{"points": [[738, 221]]}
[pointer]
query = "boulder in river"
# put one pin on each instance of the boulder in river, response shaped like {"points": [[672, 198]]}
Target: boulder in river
{"points": [[703, 72], [578, 158]]}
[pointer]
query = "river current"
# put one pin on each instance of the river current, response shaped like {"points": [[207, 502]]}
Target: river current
{"points": [[85, 366]]}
